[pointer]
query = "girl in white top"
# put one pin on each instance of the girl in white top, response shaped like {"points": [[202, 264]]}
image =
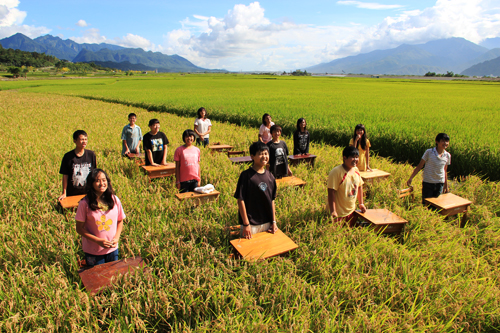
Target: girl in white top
{"points": [[265, 129], [202, 127]]}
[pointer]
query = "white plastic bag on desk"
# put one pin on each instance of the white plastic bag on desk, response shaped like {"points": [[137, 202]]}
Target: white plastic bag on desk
{"points": [[205, 189]]}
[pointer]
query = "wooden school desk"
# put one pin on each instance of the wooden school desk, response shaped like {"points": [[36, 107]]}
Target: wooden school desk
{"points": [[220, 148], [290, 181], [382, 220], [370, 176], [307, 158], [159, 171], [138, 158], [198, 198], [71, 202], [449, 204], [99, 277], [263, 245], [241, 159]]}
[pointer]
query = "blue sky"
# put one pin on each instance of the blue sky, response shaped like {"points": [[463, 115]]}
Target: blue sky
{"points": [[263, 35]]}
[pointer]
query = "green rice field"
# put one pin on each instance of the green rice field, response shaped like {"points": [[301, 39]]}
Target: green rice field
{"points": [[402, 117], [435, 277]]}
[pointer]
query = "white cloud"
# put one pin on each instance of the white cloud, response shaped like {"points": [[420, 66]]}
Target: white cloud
{"points": [[369, 5], [11, 20], [245, 39], [81, 23], [134, 41], [93, 36]]}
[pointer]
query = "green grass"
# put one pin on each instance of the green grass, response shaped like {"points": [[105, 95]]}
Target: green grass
{"points": [[437, 278], [402, 117]]}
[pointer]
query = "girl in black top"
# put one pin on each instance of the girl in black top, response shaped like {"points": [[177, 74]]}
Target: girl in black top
{"points": [[301, 138]]}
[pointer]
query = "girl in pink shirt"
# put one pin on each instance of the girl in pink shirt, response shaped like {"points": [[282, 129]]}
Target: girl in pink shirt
{"points": [[99, 220], [187, 163]]}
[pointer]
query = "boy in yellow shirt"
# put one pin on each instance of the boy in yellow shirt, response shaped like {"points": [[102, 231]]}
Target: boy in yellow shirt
{"points": [[344, 185]]}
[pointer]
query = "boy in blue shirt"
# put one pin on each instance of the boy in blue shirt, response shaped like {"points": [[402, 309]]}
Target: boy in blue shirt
{"points": [[131, 136]]}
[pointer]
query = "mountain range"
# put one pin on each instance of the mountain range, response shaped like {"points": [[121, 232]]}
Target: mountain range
{"points": [[439, 56], [106, 55]]}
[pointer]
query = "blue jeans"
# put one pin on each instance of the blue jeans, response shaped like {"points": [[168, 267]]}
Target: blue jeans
{"points": [[199, 141], [430, 190], [93, 260]]}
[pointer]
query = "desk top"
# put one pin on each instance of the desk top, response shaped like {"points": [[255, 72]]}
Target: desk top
{"points": [[187, 195], [135, 155], [72, 201], [99, 277], [264, 245], [301, 157], [381, 216], [290, 181], [241, 159], [220, 147], [448, 201], [375, 173], [150, 168]]}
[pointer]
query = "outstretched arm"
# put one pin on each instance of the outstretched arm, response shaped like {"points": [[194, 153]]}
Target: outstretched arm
{"points": [[415, 171], [64, 187], [247, 230]]}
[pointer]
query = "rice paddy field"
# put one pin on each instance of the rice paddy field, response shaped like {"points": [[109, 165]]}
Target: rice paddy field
{"points": [[436, 277], [402, 117]]}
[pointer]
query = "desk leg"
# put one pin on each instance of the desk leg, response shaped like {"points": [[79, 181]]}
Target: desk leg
{"points": [[464, 218]]}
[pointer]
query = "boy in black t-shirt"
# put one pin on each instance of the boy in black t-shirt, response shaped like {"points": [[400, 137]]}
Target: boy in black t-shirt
{"points": [[256, 192], [155, 144], [278, 154], [76, 166]]}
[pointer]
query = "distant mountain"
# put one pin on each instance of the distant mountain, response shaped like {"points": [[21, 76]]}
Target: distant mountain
{"points": [[452, 54], [148, 59], [491, 43], [124, 58], [490, 67]]}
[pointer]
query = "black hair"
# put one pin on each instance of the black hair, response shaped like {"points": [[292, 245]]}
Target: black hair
{"points": [[77, 134], [257, 147], [153, 121], [362, 141], [107, 196], [132, 115], [276, 128], [350, 151], [442, 136], [187, 133], [264, 118], [299, 121], [199, 112]]}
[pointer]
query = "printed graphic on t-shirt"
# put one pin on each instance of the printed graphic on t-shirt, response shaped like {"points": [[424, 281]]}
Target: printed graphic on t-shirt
{"points": [[353, 189], [280, 156], [80, 173], [103, 224], [303, 142], [263, 186], [157, 144]]}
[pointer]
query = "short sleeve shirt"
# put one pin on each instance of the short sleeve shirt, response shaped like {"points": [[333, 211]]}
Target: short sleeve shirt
{"points": [[77, 168], [189, 161], [346, 185], [100, 224], [434, 166], [278, 158], [202, 126], [132, 136], [265, 133], [301, 142], [157, 144], [258, 191]]}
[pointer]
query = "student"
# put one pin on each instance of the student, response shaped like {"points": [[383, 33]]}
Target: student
{"points": [[155, 144], [278, 154], [265, 129], [436, 160], [131, 136], [187, 163], [301, 138], [202, 127], [361, 142], [99, 220], [256, 192], [344, 185], [76, 165]]}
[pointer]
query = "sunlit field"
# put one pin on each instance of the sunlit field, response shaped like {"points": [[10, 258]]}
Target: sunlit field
{"points": [[436, 277], [402, 117]]}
